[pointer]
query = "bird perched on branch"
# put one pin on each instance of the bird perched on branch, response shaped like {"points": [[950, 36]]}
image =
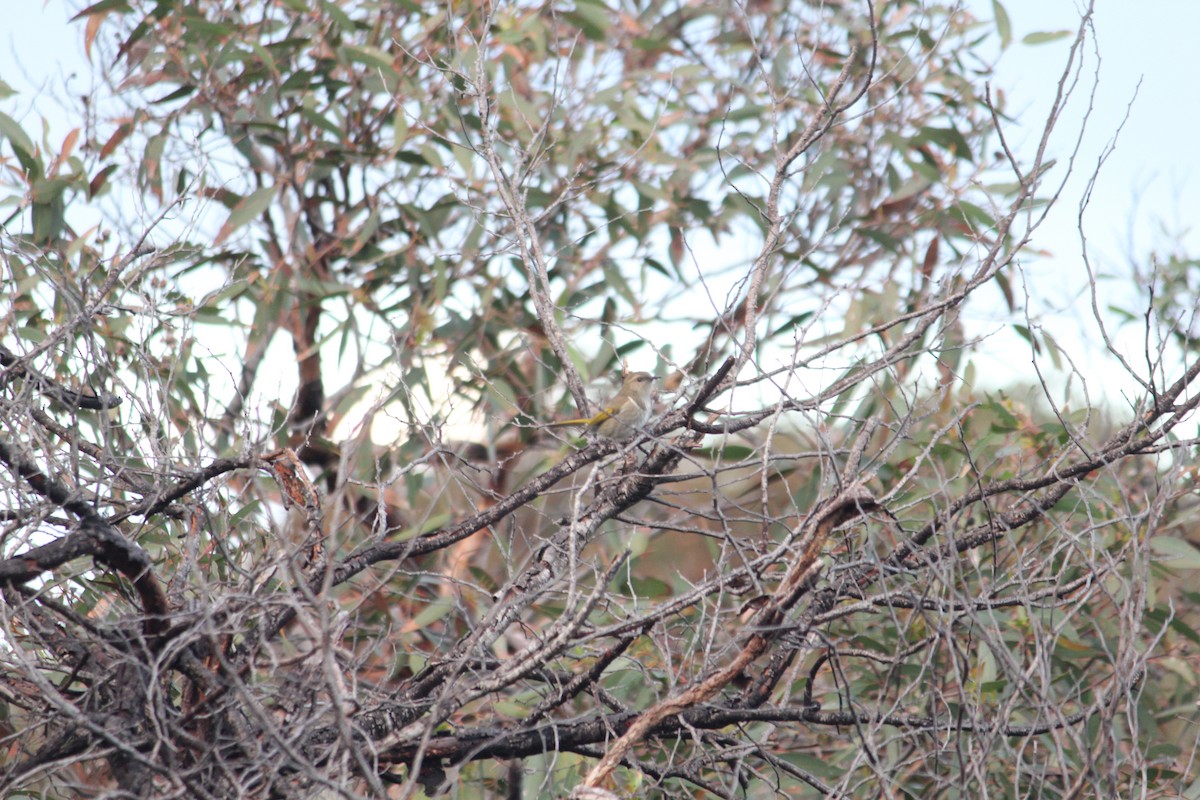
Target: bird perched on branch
{"points": [[622, 417]]}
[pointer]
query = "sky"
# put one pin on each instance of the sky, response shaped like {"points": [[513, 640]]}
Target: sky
{"points": [[1151, 181], [1148, 189], [1145, 198]]}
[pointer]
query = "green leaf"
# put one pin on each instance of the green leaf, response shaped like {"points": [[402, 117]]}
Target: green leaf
{"points": [[511, 709], [879, 237], [650, 587], [1003, 24], [48, 218], [432, 613], [181, 92], [298, 81], [371, 57], [592, 18], [948, 139], [102, 7], [1053, 349], [1161, 617], [973, 215], [246, 209], [1175, 553], [728, 452], [337, 14], [20, 141], [318, 121], [432, 524], [1042, 37], [242, 513]]}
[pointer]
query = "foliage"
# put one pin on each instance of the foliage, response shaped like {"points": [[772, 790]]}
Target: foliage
{"points": [[839, 560]]}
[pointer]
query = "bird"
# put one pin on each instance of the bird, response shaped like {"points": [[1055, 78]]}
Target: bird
{"points": [[622, 417]]}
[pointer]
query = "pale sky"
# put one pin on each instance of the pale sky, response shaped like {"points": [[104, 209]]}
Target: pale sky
{"points": [[1152, 178]]}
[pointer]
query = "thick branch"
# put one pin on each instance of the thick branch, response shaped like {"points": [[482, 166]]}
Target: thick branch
{"points": [[95, 537]]}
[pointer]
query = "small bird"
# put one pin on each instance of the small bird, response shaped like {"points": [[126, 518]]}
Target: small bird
{"points": [[622, 417]]}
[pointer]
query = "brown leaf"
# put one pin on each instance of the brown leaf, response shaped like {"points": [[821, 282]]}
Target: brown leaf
{"points": [[931, 258]]}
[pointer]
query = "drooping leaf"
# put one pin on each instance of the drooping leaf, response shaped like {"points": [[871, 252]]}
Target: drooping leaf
{"points": [[247, 209]]}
